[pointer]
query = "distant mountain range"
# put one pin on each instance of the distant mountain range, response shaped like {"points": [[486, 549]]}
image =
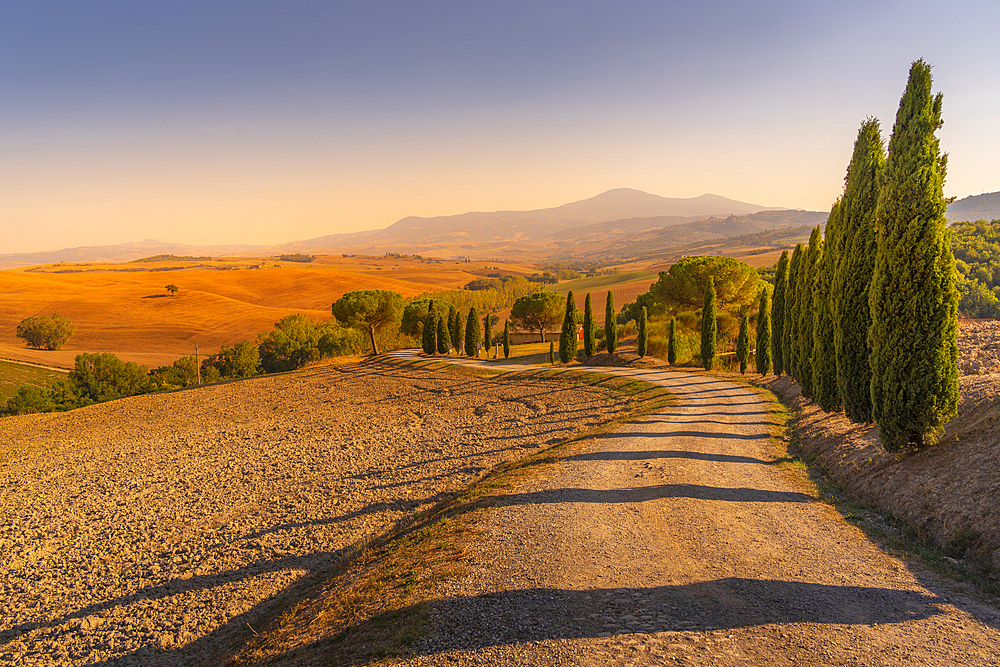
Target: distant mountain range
{"points": [[608, 218], [975, 207]]}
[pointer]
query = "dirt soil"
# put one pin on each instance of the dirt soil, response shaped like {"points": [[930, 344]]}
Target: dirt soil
{"points": [[157, 530], [676, 539]]}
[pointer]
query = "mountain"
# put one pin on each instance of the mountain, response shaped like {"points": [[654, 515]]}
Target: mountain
{"points": [[123, 252], [975, 207], [611, 215]]}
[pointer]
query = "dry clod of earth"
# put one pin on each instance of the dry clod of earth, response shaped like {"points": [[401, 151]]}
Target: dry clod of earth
{"points": [[156, 530]]}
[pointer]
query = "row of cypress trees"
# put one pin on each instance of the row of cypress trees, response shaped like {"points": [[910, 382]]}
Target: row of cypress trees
{"points": [[865, 318], [442, 333], [568, 342]]}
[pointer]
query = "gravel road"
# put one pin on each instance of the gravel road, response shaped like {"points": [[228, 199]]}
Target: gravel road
{"points": [[157, 530], [677, 540]]}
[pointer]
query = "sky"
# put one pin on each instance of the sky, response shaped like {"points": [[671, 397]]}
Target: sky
{"points": [[251, 121]]}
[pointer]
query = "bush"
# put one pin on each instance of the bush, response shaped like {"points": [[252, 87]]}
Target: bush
{"points": [[182, 373], [104, 377], [30, 399], [45, 332], [297, 340]]}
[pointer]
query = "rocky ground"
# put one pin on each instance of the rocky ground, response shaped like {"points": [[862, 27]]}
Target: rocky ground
{"points": [[156, 530], [979, 347]]}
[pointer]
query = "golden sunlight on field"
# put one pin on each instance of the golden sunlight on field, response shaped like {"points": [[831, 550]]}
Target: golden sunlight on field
{"points": [[130, 313]]}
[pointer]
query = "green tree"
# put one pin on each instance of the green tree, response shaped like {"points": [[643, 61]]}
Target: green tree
{"points": [[824, 354], [172, 289], [488, 332], [182, 373], [506, 339], [454, 324], [45, 332], [589, 329], [763, 358], [372, 310], [778, 314], [852, 280], [28, 400], [459, 338], [806, 313], [913, 299], [97, 378], [539, 312], [416, 311], [472, 334], [552, 353], [642, 339], [568, 335], [291, 344], [709, 327], [443, 337], [427, 339], [789, 344], [242, 360], [672, 341], [743, 344], [682, 287], [610, 325]]}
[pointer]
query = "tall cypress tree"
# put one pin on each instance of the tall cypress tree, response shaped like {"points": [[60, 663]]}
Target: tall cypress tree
{"points": [[443, 337], [568, 335], [506, 339], [472, 334], [642, 340], [487, 333], [672, 342], [763, 359], [709, 327], [589, 329], [428, 340], [610, 326], [824, 357], [789, 343], [852, 315], [453, 327], [778, 314], [913, 299], [743, 344], [806, 312], [459, 338]]}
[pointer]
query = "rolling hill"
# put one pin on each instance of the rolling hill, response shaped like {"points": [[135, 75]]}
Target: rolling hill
{"points": [[975, 207]]}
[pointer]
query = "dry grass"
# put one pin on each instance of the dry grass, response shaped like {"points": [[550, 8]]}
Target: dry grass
{"points": [[130, 313]]}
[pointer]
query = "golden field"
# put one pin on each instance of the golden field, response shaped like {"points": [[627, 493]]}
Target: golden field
{"points": [[125, 309]]}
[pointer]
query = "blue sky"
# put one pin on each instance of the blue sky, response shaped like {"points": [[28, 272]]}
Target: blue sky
{"points": [[264, 122]]}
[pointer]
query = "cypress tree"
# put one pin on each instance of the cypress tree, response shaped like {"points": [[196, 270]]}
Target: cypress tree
{"points": [[852, 315], [568, 335], [443, 337], [552, 353], [763, 359], [709, 327], [642, 340], [472, 334], [506, 339], [453, 326], [806, 313], [430, 331], [824, 356], [589, 329], [610, 326], [459, 338], [672, 342], [789, 348], [487, 334], [778, 314], [913, 299], [743, 344]]}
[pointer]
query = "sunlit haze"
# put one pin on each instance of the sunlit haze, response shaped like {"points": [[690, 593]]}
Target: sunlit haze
{"points": [[265, 122]]}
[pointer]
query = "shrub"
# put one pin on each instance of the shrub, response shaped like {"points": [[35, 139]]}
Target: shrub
{"points": [[97, 378], [45, 332]]}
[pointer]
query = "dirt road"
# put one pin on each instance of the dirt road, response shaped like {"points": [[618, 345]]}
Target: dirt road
{"points": [[677, 540]]}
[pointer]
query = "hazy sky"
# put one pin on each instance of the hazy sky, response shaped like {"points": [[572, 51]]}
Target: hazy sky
{"points": [[263, 122]]}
